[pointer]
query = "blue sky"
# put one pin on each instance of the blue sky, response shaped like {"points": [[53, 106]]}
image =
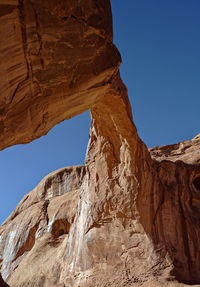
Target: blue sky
{"points": [[160, 46]]}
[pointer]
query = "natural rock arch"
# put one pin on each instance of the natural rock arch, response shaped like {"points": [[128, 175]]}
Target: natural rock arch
{"points": [[57, 60], [137, 219]]}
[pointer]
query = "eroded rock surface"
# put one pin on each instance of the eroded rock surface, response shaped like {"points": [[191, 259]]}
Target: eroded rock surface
{"points": [[2, 282], [56, 60], [137, 218], [187, 151], [33, 239], [148, 250]]}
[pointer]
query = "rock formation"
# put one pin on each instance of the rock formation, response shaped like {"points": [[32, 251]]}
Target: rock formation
{"points": [[137, 218], [33, 238], [2, 283], [187, 151], [56, 60], [36, 233]]}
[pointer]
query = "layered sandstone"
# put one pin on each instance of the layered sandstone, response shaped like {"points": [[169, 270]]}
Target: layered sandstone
{"points": [[139, 221], [137, 218], [187, 151], [33, 238], [37, 232], [56, 60]]}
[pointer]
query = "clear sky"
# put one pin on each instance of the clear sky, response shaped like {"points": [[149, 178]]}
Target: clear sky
{"points": [[160, 46]]}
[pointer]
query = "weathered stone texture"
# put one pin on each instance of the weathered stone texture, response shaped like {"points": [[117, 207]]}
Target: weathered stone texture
{"points": [[2, 282], [187, 151], [56, 60], [136, 222], [139, 220], [33, 238]]}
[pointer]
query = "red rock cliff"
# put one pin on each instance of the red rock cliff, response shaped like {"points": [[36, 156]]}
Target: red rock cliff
{"points": [[137, 218]]}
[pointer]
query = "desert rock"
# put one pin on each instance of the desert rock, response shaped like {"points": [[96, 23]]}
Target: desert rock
{"points": [[2, 283], [35, 234], [140, 217], [56, 60], [187, 151], [136, 221]]}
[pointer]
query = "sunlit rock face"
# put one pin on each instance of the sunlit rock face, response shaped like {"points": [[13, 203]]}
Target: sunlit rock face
{"points": [[56, 60], [136, 221], [33, 238], [187, 151]]}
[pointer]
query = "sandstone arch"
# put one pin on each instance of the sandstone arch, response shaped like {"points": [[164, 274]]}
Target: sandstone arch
{"points": [[137, 219]]}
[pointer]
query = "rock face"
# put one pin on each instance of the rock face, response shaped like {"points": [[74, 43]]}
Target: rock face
{"points": [[140, 217], [56, 60], [42, 228], [33, 238], [137, 218], [187, 151], [176, 219], [2, 283]]}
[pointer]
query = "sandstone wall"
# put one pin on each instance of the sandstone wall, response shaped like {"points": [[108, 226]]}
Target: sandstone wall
{"points": [[33, 238], [136, 221], [56, 60]]}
